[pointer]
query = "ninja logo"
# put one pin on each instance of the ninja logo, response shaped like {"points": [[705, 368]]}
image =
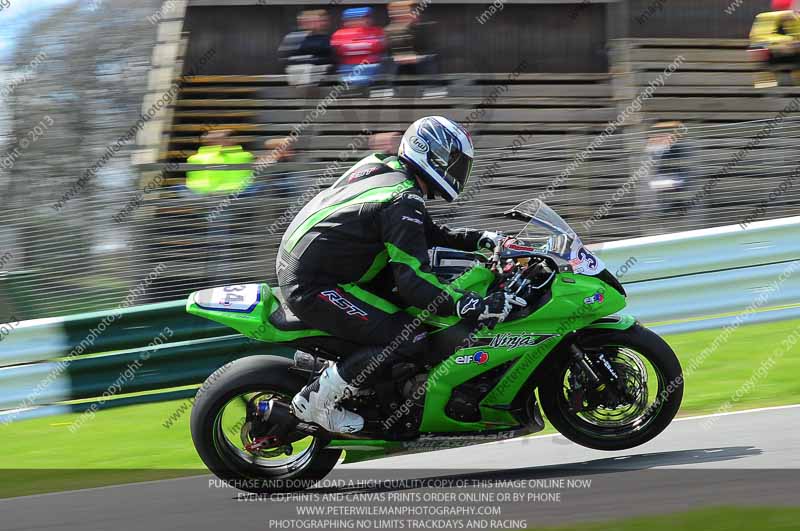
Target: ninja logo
{"points": [[510, 341], [336, 298]]}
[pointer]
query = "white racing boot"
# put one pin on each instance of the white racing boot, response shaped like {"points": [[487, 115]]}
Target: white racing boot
{"points": [[318, 402]]}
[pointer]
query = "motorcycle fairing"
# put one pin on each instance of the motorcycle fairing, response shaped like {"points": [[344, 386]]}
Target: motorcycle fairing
{"points": [[555, 235], [249, 316]]}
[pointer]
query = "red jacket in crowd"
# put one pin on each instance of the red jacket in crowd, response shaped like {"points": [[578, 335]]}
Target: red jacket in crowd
{"points": [[356, 44]]}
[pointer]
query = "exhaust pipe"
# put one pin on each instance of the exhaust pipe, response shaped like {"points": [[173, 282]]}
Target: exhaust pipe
{"points": [[279, 413]]}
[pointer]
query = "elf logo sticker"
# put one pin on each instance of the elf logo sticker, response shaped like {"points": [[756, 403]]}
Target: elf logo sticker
{"points": [[336, 298], [478, 358], [596, 298]]}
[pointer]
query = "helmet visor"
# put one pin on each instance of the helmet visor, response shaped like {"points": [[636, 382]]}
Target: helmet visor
{"points": [[458, 171], [450, 162]]}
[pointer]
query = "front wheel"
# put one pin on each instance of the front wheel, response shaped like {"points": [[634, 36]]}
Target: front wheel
{"points": [[638, 405], [238, 447]]}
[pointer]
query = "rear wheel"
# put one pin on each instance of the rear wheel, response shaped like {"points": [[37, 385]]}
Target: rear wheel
{"points": [[640, 405], [240, 448]]}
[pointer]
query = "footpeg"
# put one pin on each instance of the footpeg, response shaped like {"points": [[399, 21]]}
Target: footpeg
{"points": [[307, 362]]}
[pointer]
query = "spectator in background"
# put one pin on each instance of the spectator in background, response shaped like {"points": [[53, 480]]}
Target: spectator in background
{"points": [[669, 155], [783, 5], [359, 47], [219, 147], [282, 190], [307, 52], [408, 45], [775, 43], [386, 143], [281, 184], [217, 137]]}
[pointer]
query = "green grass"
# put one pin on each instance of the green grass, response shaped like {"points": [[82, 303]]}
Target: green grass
{"points": [[711, 519], [717, 379], [129, 441], [126, 437], [120, 445]]}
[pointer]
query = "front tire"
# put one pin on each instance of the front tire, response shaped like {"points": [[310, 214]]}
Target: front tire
{"points": [[658, 406], [250, 472]]}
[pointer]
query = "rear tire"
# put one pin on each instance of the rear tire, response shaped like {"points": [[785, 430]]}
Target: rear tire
{"points": [[668, 395], [251, 375]]}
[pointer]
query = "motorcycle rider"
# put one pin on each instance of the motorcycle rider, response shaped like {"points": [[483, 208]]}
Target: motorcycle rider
{"points": [[371, 228]]}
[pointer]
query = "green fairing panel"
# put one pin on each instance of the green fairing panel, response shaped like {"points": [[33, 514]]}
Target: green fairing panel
{"points": [[559, 316], [614, 322], [577, 302], [477, 279], [254, 322], [574, 304]]}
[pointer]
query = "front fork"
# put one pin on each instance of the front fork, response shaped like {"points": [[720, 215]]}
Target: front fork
{"points": [[598, 377]]}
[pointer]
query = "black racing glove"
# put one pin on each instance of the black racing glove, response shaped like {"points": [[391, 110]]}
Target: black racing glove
{"points": [[495, 307], [470, 306]]}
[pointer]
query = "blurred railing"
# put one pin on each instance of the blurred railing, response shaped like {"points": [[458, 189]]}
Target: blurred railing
{"points": [[176, 241], [158, 352], [618, 156]]}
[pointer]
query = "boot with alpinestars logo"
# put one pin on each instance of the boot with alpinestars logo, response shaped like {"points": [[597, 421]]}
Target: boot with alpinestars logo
{"points": [[318, 402]]}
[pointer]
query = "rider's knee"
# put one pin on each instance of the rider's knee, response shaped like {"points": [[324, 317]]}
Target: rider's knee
{"points": [[412, 348]]}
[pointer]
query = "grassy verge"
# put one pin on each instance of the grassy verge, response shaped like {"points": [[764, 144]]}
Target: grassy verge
{"points": [[134, 439], [24, 482], [721, 379], [712, 519]]}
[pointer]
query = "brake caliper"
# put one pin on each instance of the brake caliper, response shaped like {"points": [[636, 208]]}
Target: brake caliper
{"points": [[577, 394]]}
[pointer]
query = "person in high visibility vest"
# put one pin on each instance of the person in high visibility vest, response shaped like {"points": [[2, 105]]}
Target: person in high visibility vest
{"points": [[219, 148], [775, 42]]}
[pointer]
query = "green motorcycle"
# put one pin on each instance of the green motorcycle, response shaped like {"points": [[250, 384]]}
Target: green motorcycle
{"points": [[602, 380]]}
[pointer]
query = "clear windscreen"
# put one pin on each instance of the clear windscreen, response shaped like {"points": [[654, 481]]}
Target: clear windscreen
{"points": [[545, 229], [550, 233], [542, 218]]}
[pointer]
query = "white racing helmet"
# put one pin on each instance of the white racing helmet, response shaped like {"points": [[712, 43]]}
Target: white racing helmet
{"points": [[441, 151]]}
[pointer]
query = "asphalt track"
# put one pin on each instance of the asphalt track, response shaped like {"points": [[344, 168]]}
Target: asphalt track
{"points": [[748, 458]]}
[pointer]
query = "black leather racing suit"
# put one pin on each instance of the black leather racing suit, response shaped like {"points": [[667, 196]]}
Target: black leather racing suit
{"points": [[369, 231]]}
